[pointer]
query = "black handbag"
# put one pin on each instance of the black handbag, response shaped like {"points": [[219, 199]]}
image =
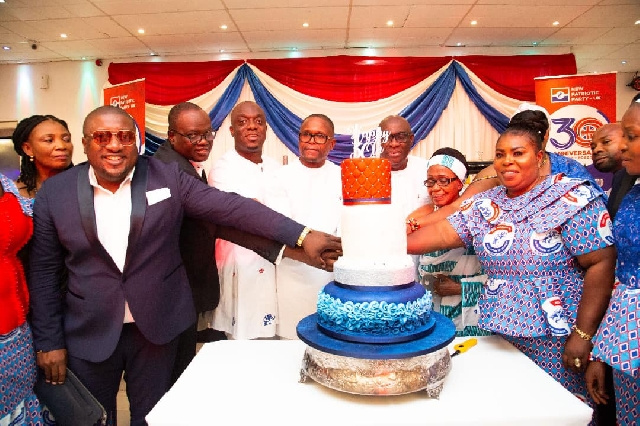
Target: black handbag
{"points": [[70, 403]]}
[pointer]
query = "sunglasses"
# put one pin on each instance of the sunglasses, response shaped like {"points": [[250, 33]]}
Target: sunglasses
{"points": [[103, 137]]}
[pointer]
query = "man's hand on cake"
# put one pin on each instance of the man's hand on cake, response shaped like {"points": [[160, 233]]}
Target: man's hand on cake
{"points": [[325, 261], [445, 286], [330, 257], [316, 242]]}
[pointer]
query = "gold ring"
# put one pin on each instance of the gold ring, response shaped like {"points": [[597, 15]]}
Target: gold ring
{"points": [[577, 362]]}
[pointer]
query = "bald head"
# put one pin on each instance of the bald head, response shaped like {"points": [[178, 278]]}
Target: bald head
{"points": [[246, 107], [249, 130], [395, 119], [104, 110], [606, 148], [178, 109], [109, 143], [399, 143]]}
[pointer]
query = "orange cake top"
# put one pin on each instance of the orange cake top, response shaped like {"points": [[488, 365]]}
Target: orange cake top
{"points": [[366, 181]]}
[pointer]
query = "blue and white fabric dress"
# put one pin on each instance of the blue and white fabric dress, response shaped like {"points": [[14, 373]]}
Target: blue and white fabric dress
{"points": [[617, 341], [462, 266], [18, 403], [527, 246]]}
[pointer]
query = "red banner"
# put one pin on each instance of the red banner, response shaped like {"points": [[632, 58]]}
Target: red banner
{"points": [[130, 96], [341, 78], [578, 106]]}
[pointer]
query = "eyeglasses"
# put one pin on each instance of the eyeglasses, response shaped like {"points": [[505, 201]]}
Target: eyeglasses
{"points": [[195, 138], [400, 137], [103, 137], [319, 138], [441, 181]]}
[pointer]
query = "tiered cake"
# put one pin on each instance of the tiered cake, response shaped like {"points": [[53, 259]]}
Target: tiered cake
{"points": [[375, 332]]}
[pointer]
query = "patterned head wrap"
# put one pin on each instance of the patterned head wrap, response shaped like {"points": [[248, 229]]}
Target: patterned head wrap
{"points": [[450, 163]]}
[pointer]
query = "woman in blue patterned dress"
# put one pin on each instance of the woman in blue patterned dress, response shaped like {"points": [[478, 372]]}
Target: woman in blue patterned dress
{"points": [[545, 243], [455, 276], [536, 119], [617, 341]]}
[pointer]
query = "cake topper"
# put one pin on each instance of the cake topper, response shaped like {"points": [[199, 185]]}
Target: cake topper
{"points": [[368, 144]]}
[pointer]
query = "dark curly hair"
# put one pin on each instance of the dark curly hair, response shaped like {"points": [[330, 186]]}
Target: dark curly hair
{"points": [[534, 135], [531, 122], [28, 172]]}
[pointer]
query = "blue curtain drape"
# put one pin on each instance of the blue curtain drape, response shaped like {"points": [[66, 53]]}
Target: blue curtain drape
{"points": [[422, 114], [497, 120], [228, 99]]}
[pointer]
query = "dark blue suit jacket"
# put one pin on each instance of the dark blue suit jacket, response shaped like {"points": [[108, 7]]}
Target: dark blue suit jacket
{"points": [[86, 317]]}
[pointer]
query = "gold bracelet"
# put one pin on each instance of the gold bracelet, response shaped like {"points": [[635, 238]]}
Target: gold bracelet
{"points": [[484, 178], [302, 236], [413, 224], [582, 334]]}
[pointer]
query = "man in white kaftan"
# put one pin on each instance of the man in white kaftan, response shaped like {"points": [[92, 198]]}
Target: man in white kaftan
{"points": [[407, 185], [247, 308], [308, 190], [408, 172]]}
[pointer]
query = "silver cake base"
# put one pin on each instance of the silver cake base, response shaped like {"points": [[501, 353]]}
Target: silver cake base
{"points": [[378, 376]]}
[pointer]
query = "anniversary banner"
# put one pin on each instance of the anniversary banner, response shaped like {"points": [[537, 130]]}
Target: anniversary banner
{"points": [[130, 96], [578, 105]]}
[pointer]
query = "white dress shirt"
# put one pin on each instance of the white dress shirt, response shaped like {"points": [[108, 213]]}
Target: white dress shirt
{"points": [[113, 222]]}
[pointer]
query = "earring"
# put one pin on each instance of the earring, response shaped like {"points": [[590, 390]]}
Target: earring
{"points": [[31, 158]]}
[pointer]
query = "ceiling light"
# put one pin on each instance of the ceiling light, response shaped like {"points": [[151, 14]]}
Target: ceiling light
{"points": [[535, 43], [221, 50], [63, 35], [6, 47], [141, 31], [306, 24], [223, 27], [624, 62], [474, 22], [389, 23], [638, 22], [459, 44], [153, 54], [84, 58], [555, 23]]}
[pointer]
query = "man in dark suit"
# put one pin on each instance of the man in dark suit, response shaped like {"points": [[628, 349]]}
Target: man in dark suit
{"points": [[189, 142], [606, 156], [114, 224]]}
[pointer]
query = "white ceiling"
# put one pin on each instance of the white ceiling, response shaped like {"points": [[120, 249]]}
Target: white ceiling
{"points": [[601, 33]]}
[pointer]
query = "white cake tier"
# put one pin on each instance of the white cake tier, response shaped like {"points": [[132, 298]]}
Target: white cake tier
{"points": [[395, 270], [374, 245], [375, 232]]}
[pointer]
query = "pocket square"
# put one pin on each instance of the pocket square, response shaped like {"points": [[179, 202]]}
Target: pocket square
{"points": [[157, 195]]}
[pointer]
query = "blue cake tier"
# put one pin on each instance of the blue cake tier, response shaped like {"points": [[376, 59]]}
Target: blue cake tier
{"points": [[441, 334], [390, 314]]}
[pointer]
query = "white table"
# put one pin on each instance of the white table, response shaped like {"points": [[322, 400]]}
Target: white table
{"points": [[256, 383]]}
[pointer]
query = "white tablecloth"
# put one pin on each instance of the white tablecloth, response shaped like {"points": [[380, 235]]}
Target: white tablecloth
{"points": [[256, 383]]}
